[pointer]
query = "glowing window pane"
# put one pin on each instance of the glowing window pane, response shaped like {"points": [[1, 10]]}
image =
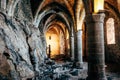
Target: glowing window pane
{"points": [[110, 31]]}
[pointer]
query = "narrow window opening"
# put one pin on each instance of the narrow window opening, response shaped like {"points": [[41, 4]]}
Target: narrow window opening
{"points": [[110, 31]]}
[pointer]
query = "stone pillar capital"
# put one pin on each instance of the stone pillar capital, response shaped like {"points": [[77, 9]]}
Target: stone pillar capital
{"points": [[79, 32], [92, 18]]}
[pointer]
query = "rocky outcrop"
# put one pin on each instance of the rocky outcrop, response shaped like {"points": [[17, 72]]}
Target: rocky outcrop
{"points": [[21, 48], [21, 44]]}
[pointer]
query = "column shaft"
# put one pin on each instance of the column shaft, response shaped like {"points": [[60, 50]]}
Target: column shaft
{"points": [[95, 47], [72, 48], [79, 49]]}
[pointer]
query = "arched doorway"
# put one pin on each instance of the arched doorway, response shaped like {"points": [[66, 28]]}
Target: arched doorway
{"points": [[57, 43]]}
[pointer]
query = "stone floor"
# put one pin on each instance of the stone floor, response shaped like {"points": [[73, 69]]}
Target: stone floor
{"points": [[112, 72], [66, 71]]}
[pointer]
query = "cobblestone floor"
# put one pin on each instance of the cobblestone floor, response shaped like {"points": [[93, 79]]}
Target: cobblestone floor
{"points": [[51, 70]]}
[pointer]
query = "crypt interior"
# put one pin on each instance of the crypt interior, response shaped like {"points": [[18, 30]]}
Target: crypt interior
{"points": [[59, 40]]}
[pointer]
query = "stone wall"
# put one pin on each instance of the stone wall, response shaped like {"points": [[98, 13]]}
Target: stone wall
{"points": [[112, 51]]}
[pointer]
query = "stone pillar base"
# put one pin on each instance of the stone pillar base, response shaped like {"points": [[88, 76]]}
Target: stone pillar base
{"points": [[90, 78], [79, 65]]}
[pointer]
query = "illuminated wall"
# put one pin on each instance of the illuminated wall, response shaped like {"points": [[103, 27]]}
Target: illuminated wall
{"points": [[52, 38], [62, 43], [56, 42]]}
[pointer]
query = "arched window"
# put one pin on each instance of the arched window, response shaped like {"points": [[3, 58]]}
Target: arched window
{"points": [[110, 31]]}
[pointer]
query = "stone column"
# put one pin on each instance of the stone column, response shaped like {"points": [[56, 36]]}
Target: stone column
{"points": [[72, 48], [79, 49], [95, 46]]}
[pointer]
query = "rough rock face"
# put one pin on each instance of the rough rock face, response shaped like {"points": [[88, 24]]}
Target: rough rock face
{"points": [[21, 49], [14, 46], [36, 47], [21, 46]]}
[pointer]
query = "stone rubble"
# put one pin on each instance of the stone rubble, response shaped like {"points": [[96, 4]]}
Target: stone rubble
{"points": [[50, 70]]}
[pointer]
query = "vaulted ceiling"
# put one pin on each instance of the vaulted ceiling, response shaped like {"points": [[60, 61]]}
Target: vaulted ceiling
{"points": [[67, 12], [71, 5]]}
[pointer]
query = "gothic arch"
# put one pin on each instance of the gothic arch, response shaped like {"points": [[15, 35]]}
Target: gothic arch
{"points": [[53, 10]]}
